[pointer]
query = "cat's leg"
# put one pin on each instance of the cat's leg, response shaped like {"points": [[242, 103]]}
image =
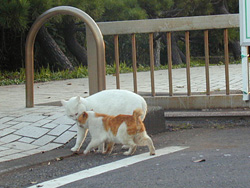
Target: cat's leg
{"points": [[150, 146], [93, 144], [101, 148], [81, 135], [125, 147], [131, 150], [110, 147], [132, 147], [142, 139]]}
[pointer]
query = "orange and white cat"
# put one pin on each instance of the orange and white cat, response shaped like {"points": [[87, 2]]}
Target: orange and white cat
{"points": [[125, 129]]}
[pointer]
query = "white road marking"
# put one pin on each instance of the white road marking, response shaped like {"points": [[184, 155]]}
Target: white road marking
{"points": [[106, 168]]}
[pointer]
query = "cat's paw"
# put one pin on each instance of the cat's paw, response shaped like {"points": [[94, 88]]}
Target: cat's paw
{"points": [[75, 149], [99, 151], [124, 147], [152, 153], [85, 152], [127, 153]]}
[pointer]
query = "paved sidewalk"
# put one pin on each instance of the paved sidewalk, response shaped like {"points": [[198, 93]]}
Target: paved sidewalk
{"points": [[26, 131]]}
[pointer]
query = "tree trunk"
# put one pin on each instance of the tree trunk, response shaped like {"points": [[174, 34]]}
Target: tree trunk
{"points": [[235, 48], [52, 50], [176, 52], [157, 50], [221, 8], [72, 44]]}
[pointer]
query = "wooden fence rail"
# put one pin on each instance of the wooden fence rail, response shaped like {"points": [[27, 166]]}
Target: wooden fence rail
{"points": [[169, 25]]}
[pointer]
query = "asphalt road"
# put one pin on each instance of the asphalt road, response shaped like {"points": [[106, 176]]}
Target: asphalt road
{"points": [[226, 155]]}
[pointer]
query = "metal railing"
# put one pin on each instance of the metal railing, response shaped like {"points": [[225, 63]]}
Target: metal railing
{"points": [[99, 82]]}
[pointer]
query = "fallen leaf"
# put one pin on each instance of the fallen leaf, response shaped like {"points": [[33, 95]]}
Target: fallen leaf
{"points": [[199, 160], [69, 83], [180, 86], [59, 158]]}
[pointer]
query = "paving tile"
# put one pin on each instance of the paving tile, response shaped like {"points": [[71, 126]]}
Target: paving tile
{"points": [[9, 152], [50, 146], [11, 123], [44, 140], [9, 138], [33, 132], [73, 128], [56, 116], [20, 125], [6, 119], [26, 140], [20, 146], [3, 159], [50, 125], [64, 120], [65, 137], [30, 118], [16, 156], [33, 151], [42, 122], [4, 126], [59, 130], [2, 148], [6, 131]]}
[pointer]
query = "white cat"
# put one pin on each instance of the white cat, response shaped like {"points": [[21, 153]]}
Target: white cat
{"points": [[124, 129], [111, 102]]}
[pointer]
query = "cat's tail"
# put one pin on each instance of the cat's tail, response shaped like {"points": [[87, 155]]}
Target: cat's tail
{"points": [[137, 116]]}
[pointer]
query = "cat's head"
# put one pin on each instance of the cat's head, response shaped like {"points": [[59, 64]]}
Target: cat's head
{"points": [[82, 119], [74, 107]]}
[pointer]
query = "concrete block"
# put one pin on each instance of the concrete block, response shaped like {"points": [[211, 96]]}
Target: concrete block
{"points": [[20, 146], [155, 121], [64, 120], [9, 138], [33, 132], [50, 146], [59, 130], [30, 118], [65, 137], [26, 140], [44, 140], [6, 131]]}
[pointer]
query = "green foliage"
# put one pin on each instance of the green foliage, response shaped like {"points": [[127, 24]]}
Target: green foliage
{"points": [[123, 10], [155, 8], [14, 14], [94, 8]]}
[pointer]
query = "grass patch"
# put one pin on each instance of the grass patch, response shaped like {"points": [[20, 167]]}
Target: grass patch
{"points": [[45, 74]]}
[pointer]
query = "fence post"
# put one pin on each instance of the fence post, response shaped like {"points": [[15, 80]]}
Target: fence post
{"points": [[92, 62], [245, 72]]}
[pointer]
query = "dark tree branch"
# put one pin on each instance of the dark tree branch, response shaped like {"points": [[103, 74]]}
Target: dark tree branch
{"points": [[72, 44]]}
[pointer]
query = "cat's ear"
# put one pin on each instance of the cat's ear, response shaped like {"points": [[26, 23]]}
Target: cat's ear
{"points": [[63, 102], [84, 114], [83, 118], [78, 98]]}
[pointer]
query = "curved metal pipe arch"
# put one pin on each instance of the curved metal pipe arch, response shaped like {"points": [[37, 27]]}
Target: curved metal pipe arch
{"points": [[30, 41]]}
